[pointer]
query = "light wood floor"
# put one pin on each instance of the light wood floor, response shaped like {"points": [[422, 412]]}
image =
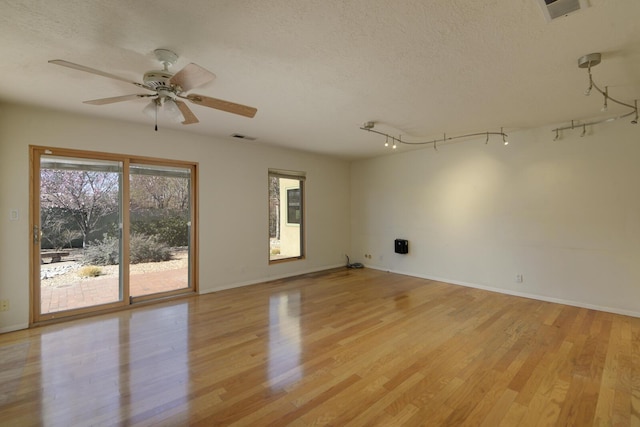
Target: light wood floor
{"points": [[345, 347]]}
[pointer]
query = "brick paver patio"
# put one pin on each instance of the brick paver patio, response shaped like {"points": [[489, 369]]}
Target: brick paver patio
{"points": [[89, 292]]}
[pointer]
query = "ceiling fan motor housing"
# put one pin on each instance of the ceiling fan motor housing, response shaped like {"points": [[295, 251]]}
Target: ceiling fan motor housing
{"points": [[158, 79]]}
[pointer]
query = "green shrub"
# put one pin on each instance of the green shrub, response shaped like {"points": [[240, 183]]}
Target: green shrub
{"points": [[148, 249], [142, 249], [90, 271], [172, 230], [102, 252]]}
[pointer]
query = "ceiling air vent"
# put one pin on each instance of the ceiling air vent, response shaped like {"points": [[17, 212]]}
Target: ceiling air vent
{"points": [[240, 136], [553, 9]]}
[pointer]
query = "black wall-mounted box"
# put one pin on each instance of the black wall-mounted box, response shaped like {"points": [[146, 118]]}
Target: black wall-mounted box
{"points": [[402, 246]]}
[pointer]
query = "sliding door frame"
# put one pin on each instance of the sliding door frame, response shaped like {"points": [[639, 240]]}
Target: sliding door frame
{"points": [[35, 152], [192, 234]]}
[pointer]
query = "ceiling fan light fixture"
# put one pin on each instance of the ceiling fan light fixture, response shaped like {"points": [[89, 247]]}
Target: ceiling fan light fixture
{"points": [[150, 109], [172, 111]]}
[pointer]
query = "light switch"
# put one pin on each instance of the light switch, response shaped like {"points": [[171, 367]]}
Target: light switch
{"points": [[13, 215]]}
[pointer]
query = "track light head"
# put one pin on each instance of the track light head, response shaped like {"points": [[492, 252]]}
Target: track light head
{"points": [[605, 107]]}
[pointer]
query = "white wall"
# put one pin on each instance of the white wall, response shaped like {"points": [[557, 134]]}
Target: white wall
{"points": [[564, 214], [234, 246]]}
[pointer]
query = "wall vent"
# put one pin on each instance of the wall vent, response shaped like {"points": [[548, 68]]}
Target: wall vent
{"points": [[553, 9], [240, 136]]}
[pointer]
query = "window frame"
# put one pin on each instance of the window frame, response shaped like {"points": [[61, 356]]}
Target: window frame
{"points": [[301, 178], [36, 152]]}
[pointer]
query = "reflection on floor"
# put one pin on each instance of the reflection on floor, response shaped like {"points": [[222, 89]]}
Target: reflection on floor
{"points": [[343, 347]]}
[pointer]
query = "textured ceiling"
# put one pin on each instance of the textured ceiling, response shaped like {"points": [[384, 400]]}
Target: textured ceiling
{"points": [[317, 70]]}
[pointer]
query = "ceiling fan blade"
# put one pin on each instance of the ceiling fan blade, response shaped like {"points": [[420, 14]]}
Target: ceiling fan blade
{"points": [[94, 71], [103, 101], [189, 117], [192, 75], [219, 104]]}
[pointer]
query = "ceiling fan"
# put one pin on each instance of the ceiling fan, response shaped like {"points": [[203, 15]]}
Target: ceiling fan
{"points": [[168, 89]]}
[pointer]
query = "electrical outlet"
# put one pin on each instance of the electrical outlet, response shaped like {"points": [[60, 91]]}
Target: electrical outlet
{"points": [[4, 305], [519, 278]]}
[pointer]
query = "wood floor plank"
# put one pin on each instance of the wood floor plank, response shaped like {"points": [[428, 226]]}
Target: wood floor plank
{"points": [[341, 347], [514, 415], [634, 379], [499, 409]]}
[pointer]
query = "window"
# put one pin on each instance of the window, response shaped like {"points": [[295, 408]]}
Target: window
{"points": [[294, 213], [286, 215]]}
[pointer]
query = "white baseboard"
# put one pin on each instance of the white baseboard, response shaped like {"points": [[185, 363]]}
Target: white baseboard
{"points": [[13, 328], [267, 279], [516, 293]]}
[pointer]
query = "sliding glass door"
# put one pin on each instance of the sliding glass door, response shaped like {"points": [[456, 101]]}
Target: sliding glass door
{"points": [[109, 230], [80, 233], [160, 231]]}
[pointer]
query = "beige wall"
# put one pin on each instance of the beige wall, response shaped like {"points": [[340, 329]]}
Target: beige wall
{"points": [[564, 214], [234, 246]]}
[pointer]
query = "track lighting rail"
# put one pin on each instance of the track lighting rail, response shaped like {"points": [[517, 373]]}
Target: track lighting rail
{"points": [[586, 61], [580, 125], [589, 61], [394, 141]]}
